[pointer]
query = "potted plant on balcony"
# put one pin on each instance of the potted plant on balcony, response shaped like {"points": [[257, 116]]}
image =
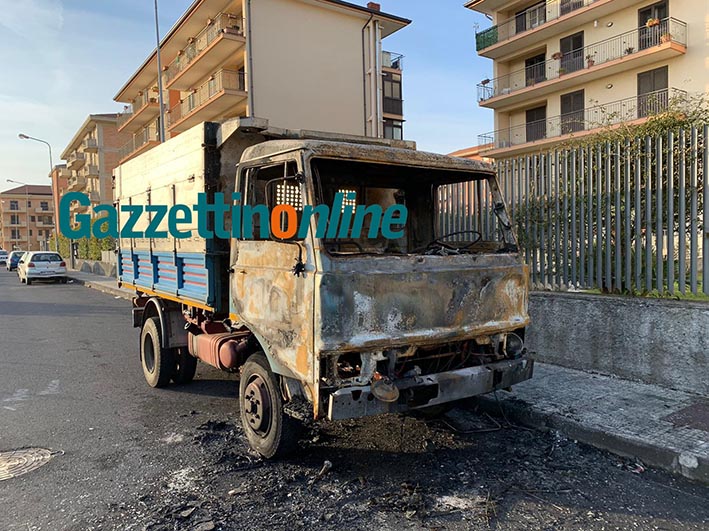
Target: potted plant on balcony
{"points": [[562, 71], [590, 61], [557, 56], [652, 22], [665, 37], [629, 50]]}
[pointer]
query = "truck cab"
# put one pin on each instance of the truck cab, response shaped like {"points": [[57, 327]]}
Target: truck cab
{"points": [[334, 322]]}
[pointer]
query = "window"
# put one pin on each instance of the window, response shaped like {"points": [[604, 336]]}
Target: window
{"points": [[30, 232], [531, 17], [652, 92], [267, 187], [15, 234], [535, 69], [39, 233], [14, 205], [649, 37], [393, 129], [572, 53], [32, 219], [572, 112], [14, 219], [536, 124], [393, 103], [44, 205], [29, 204], [567, 6]]}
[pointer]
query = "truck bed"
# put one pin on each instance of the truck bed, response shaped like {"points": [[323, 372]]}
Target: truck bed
{"points": [[192, 270]]}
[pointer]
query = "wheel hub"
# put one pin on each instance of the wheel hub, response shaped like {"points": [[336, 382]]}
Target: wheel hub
{"points": [[257, 405]]}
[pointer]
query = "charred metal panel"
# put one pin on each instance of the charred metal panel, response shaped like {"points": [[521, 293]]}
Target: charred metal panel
{"points": [[372, 303]]}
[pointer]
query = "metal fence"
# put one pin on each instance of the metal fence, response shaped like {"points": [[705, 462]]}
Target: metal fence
{"points": [[623, 217]]}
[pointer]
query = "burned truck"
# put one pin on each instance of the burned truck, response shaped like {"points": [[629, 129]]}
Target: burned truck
{"points": [[336, 324]]}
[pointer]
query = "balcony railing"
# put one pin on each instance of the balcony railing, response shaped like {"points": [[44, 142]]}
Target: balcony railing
{"points": [[139, 139], [90, 144], [222, 80], [527, 20], [393, 60], [393, 106], [222, 23], [144, 97], [91, 170], [632, 42], [609, 114], [76, 159]]}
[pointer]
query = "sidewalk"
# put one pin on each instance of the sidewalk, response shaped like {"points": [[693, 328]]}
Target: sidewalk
{"points": [[107, 285], [660, 427]]}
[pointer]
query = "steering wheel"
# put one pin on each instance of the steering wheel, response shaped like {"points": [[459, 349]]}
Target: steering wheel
{"points": [[438, 241]]}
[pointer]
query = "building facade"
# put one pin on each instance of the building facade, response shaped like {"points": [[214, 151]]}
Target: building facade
{"points": [[26, 218], [90, 157], [566, 68], [60, 181], [301, 64]]}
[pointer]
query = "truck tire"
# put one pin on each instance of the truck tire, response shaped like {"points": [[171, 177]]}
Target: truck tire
{"points": [[158, 363], [186, 366], [269, 430]]}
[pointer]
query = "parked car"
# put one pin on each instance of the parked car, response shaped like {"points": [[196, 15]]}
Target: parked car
{"points": [[3, 256], [12, 259], [41, 265]]}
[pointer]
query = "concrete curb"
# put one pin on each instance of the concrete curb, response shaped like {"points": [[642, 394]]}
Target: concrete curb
{"points": [[669, 459], [98, 286]]}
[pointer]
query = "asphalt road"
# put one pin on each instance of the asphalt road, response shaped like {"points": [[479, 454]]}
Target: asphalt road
{"points": [[130, 457]]}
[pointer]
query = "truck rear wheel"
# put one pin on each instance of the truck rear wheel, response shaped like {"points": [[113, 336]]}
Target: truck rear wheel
{"points": [[158, 363], [186, 366], [269, 430]]}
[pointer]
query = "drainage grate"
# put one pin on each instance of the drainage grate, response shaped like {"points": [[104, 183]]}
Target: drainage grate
{"points": [[18, 462]]}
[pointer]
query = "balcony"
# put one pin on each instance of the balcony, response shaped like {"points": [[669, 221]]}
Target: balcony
{"points": [[16, 223], [90, 145], [91, 170], [211, 48], [539, 134], [48, 211], [393, 61], [76, 160], [215, 97], [538, 23], [94, 196], [43, 224], [140, 142], [142, 110], [629, 50], [76, 183]]}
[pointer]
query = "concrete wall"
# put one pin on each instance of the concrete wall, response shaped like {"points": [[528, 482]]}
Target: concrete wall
{"points": [[657, 341], [97, 268]]}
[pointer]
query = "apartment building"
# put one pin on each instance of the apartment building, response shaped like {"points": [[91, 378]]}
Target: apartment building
{"points": [[26, 218], [306, 64], [90, 157], [565, 68]]}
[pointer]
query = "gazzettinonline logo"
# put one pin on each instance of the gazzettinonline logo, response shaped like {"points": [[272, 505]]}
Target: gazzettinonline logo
{"points": [[341, 220]]}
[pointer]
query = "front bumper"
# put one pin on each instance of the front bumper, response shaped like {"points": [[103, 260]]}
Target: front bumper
{"points": [[430, 390]]}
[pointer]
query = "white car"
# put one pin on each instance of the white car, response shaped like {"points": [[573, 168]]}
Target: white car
{"points": [[3, 257], [41, 265]]}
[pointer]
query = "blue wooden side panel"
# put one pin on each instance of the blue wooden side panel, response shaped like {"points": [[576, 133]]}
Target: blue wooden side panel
{"points": [[187, 276]]}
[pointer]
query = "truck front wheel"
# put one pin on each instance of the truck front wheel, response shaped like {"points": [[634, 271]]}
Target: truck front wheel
{"points": [[158, 363], [269, 430]]}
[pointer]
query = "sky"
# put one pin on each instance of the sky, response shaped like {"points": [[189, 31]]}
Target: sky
{"points": [[66, 59]]}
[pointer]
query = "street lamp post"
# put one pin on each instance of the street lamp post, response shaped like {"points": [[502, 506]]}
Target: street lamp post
{"points": [[55, 216], [27, 208]]}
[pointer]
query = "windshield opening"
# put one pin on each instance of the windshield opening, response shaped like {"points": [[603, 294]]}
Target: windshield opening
{"points": [[439, 203]]}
